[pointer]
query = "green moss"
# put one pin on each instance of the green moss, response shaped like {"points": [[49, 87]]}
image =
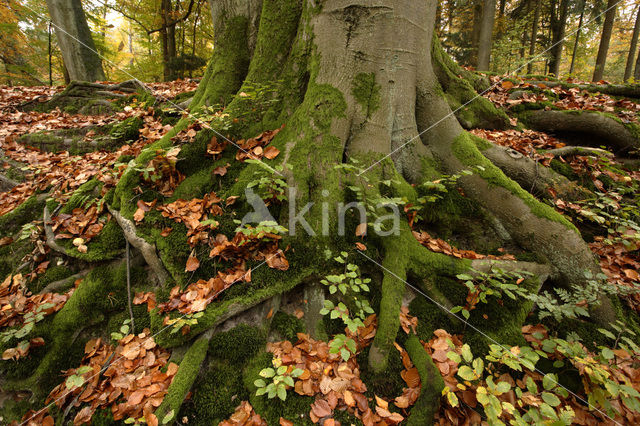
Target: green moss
{"points": [[216, 395], [107, 245], [86, 192], [387, 383], [432, 384], [296, 408], [100, 293], [367, 92], [26, 212], [467, 152], [52, 274], [127, 130], [238, 344], [393, 288], [183, 380], [287, 326], [265, 283], [228, 66]]}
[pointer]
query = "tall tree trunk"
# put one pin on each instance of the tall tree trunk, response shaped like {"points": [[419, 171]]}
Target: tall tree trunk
{"points": [[632, 48], [534, 35], [577, 42], [475, 30], [168, 39], [605, 39], [486, 34], [558, 29], [74, 38]]}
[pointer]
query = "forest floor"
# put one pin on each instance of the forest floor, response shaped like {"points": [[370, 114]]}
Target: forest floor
{"points": [[610, 222]]}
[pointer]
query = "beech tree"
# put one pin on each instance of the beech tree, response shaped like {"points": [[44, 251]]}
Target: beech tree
{"points": [[362, 104], [605, 39], [74, 37]]}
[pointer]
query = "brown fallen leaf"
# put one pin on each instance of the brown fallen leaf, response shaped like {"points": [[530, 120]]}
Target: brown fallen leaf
{"points": [[192, 263]]}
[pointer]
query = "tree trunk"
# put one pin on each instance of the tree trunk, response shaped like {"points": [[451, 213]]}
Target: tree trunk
{"points": [[632, 48], [605, 39], [168, 39], [357, 103], [486, 33], [558, 28], [577, 42], [534, 35], [352, 85], [74, 38]]}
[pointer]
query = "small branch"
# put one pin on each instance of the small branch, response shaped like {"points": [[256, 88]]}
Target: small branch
{"points": [[148, 250]]}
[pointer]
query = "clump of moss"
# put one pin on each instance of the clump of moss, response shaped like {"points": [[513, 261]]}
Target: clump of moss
{"points": [[387, 384], [52, 274], [367, 92], [287, 326], [183, 380], [238, 344], [31, 209], [216, 395], [296, 407]]}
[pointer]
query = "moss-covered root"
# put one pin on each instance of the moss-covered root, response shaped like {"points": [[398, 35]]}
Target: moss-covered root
{"points": [[148, 250], [182, 382], [428, 403], [461, 89], [395, 270]]}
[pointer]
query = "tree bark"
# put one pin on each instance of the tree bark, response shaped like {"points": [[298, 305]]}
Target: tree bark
{"points": [[605, 39], [74, 38], [577, 42], [632, 48], [558, 29], [534, 35], [486, 34], [377, 100]]}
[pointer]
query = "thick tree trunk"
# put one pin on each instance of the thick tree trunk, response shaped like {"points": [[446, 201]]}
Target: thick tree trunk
{"points": [[632, 48], [605, 39], [378, 100], [74, 38], [486, 34]]}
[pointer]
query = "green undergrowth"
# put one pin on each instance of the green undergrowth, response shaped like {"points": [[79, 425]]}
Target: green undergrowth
{"points": [[296, 407], [287, 326]]}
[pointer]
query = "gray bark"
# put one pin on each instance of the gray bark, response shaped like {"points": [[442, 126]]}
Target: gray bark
{"points": [[74, 38], [632, 48], [486, 33], [607, 29]]}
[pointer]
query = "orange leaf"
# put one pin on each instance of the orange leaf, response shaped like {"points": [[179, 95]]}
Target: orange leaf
{"points": [[192, 263]]}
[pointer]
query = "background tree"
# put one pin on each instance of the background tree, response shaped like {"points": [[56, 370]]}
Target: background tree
{"points": [[605, 39], [76, 43], [486, 34]]}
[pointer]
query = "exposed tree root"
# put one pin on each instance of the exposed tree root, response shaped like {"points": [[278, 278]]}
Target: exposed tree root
{"points": [[538, 180], [148, 250], [596, 126], [431, 387], [190, 366], [7, 184], [627, 91], [56, 286], [567, 151], [51, 238], [88, 98]]}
